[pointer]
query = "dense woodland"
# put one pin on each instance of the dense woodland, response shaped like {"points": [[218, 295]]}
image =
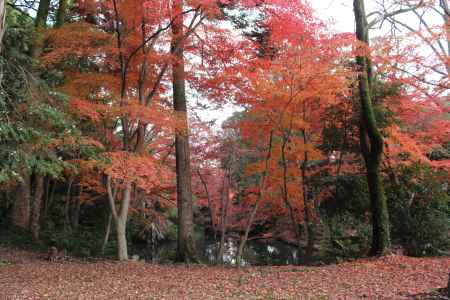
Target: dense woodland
{"points": [[338, 147]]}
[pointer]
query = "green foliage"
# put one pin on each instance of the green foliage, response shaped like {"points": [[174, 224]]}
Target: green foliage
{"points": [[351, 196], [420, 210], [349, 234], [85, 241], [32, 115], [12, 236]]}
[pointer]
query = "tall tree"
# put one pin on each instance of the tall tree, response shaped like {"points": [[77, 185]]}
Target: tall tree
{"points": [[61, 13], [2, 21], [42, 14], [371, 140], [186, 251]]}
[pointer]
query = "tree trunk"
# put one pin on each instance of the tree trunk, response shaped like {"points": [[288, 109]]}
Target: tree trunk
{"points": [[35, 222], [186, 251], [107, 233], [2, 21], [262, 187], [21, 205], [121, 235], [42, 14], [76, 208], [448, 286], [371, 142], [294, 222], [210, 207], [61, 13], [224, 215], [40, 23], [67, 201], [310, 215], [120, 217], [49, 197]]}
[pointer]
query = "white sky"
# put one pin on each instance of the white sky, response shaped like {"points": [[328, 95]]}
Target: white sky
{"points": [[338, 11]]}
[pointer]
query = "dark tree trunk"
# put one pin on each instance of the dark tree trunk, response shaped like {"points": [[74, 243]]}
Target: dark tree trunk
{"points": [[186, 251], [210, 207], [295, 225], [224, 215], [67, 201], [42, 14], [76, 208], [39, 23], [61, 12], [35, 222], [310, 216], [20, 215], [448, 286], [371, 142], [251, 218], [2, 21]]}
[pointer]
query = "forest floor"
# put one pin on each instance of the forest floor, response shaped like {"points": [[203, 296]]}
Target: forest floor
{"points": [[27, 275]]}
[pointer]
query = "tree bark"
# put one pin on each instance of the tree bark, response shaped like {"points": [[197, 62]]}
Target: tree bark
{"points": [[42, 14], [186, 251], [35, 222], [107, 232], [121, 235], [210, 207], [120, 217], [371, 142], [61, 12], [67, 203], [262, 187], [224, 215], [76, 208], [2, 21], [448, 286], [40, 23], [310, 215], [294, 222], [21, 206]]}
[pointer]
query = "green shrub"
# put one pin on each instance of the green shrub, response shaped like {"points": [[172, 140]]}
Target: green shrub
{"points": [[85, 241], [419, 210]]}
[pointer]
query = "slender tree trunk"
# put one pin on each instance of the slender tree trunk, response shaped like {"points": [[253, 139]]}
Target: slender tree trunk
{"points": [[121, 235], [210, 207], [262, 187], [35, 222], [49, 197], [310, 215], [186, 251], [371, 142], [67, 203], [107, 233], [120, 217], [76, 208], [2, 21], [61, 12], [294, 222], [21, 206], [40, 23], [42, 14], [224, 219]]}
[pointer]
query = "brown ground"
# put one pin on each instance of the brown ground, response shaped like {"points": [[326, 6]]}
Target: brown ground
{"points": [[26, 275]]}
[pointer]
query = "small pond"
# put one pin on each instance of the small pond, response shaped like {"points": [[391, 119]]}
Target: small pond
{"points": [[257, 253]]}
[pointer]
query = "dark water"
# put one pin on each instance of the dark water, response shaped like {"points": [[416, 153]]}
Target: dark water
{"points": [[257, 253]]}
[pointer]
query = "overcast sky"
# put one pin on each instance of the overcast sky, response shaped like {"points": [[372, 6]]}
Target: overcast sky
{"points": [[340, 11]]}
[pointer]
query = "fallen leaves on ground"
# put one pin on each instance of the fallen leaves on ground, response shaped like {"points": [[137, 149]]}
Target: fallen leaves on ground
{"points": [[25, 275]]}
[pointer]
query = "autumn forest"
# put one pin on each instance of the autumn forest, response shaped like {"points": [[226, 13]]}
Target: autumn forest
{"points": [[224, 149]]}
